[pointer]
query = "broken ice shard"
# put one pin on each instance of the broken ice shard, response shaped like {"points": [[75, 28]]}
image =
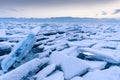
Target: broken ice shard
{"points": [[23, 70], [102, 55], [19, 52]]}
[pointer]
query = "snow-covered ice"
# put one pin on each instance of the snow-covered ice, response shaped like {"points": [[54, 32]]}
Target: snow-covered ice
{"points": [[57, 58], [102, 55], [58, 75], [22, 71], [78, 68], [113, 73], [96, 64], [5, 48], [45, 72], [59, 51], [77, 78], [2, 32], [73, 67]]}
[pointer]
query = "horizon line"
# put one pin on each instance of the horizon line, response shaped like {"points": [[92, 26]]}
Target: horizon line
{"points": [[61, 17]]}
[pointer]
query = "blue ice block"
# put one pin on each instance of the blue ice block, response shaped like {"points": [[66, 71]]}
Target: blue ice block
{"points": [[19, 52]]}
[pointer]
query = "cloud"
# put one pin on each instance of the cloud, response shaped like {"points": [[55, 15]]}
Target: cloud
{"points": [[9, 11], [13, 10], [117, 11], [51, 2], [104, 13]]}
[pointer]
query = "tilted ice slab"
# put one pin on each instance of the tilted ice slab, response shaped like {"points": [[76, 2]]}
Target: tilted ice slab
{"points": [[97, 37], [44, 54], [2, 32], [4, 47], [58, 75], [106, 45], [45, 72], [23, 70], [83, 43], [35, 30], [71, 66], [19, 51], [102, 55], [57, 46], [2, 57], [113, 73], [96, 64], [113, 38], [72, 51], [19, 31], [57, 58], [15, 37]]}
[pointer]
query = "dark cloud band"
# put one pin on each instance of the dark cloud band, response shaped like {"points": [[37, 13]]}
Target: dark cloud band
{"points": [[51, 2], [117, 11]]}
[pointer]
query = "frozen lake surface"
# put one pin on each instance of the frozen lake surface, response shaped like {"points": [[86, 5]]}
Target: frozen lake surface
{"points": [[59, 51]]}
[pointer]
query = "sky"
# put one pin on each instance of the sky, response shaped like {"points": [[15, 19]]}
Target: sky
{"points": [[60, 8]]}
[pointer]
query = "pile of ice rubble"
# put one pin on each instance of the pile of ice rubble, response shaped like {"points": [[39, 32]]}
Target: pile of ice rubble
{"points": [[73, 53]]}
